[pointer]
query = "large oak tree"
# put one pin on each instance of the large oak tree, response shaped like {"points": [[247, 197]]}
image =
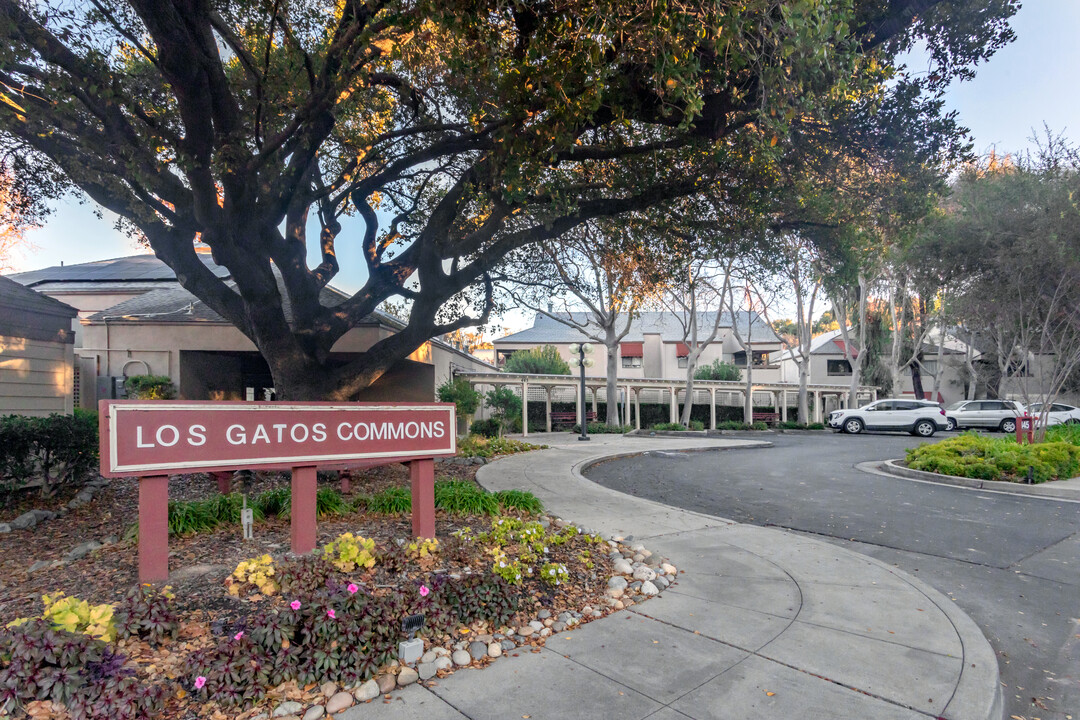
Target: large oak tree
{"points": [[427, 139]]}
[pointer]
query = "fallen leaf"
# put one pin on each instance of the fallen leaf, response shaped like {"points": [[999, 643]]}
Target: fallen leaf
{"points": [[770, 693]]}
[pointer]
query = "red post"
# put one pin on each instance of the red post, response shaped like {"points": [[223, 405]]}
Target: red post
{"points": [[1025, 429], [302, 513], [346, 481], [154, 528], [224, 482], [422, 474]]}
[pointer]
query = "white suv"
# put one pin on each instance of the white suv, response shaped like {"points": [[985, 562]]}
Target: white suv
{"points": [[918, 417], [989, 414]]}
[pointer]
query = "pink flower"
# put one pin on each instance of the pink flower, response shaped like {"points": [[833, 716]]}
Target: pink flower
{"points": [[199, 682], [352, 588], [330, 614], [424, 591], [238, 635], [295, 604]]}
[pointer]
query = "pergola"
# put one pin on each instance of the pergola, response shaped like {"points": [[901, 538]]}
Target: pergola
{"points": [[632, 388]]}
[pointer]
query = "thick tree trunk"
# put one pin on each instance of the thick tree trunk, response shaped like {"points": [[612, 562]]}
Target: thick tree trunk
{"points": [[611, 342]]}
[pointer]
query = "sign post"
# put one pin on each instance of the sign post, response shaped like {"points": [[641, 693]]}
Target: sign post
{"points": [[152, 440]]}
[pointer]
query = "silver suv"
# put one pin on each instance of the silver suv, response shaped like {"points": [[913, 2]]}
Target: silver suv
{"points": [[986, 414], [918, 417]]}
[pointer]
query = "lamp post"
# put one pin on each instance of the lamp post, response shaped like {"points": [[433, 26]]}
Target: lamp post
{"points": [[581, 350]]}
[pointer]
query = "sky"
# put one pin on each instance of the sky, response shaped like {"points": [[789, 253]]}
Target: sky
{"points": [[1028, 83]]}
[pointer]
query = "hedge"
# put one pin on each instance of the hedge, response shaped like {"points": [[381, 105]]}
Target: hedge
{"points": [[976, 456], [57, 449]]}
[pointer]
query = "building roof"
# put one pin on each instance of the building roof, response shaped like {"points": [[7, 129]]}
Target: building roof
{"points": [[832, 343], [139, 270], [28, 314], [15, 296], [546, 329]]}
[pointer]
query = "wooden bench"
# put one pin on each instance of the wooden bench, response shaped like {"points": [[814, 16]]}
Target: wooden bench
{"points": [[766, 417], [570, 418]]}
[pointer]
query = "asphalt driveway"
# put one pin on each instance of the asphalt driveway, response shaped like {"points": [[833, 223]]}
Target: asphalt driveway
{"points": [[1011, 562]]}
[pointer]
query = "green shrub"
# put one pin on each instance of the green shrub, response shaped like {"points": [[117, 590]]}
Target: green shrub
{"points": [[275, 501], [330, 503], [478, 446], [187, 517], [520, 500], [1064, 433], [58, 449], [150, 387], [792, 425], [485, 428], [538, 361], [391, 501], [694, 425], [599, 428], [461, 497], [718, 370], [976, 456], [460, 392]]}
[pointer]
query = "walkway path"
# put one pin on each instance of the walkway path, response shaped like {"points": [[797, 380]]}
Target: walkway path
{"points": [[764, 624]]}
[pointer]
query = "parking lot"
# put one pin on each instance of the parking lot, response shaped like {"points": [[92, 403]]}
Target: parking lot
{"points": [[1011, 562]]}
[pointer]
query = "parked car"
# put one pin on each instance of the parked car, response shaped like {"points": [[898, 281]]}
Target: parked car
{"points": [[1058, 414], [918, 417], [987, 414]]}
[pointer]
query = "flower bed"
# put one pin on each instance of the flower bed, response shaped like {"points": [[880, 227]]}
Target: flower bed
{"points": [[304, 631]]}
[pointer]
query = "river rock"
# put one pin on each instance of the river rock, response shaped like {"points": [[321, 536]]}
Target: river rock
{"points": [[668, 568], [443, 662], [477, 649], [462, 658], [647, 588], [525, 630], [4, 528], [328, 689], [82, 550], [623, 567], [25, 521], [339, 702], [367, 691], [494, 650], [644, 573], [426, 670], [387, 683], [289, 707], [616, 582], [407, 676], [314, 712]]}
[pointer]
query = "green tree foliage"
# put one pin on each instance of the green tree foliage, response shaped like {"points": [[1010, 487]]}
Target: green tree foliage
{"points": [[505, 406], [460, 392], [1007, 243], [718, 370], [434, 138], [543, 360]]}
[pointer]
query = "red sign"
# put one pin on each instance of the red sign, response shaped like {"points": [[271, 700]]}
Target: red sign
{"points": [[164, 437]]}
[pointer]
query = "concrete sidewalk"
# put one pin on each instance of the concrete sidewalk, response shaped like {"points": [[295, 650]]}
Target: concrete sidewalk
{"points": [[764, 623]]}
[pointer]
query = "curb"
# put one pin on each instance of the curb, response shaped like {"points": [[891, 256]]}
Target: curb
{"points": [[1042, 490]]}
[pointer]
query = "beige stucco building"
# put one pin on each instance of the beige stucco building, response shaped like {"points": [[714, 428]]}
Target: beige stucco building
{"points": [[37, 357], [134, 318], [654, 347]]}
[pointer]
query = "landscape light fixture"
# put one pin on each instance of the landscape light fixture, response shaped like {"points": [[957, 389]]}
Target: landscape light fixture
{"points": [[581, 350]]}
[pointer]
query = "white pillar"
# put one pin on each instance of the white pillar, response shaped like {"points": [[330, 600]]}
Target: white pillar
{"points": [[594, 402], [580, 399], [674, 412], [547, 407], [525, 408], [775, 401], [783, 405], [637, 408], [712, 408], [817, 406]]}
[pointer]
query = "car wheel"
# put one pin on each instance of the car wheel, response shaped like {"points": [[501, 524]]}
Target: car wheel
{"points": [[853, 426], [1008, 425], [952, 424], [924, 428]]}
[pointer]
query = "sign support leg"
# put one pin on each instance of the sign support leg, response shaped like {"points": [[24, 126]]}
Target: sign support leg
{"points": [[224, 482], [422, 474], [154, 529], [302, 524]]}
